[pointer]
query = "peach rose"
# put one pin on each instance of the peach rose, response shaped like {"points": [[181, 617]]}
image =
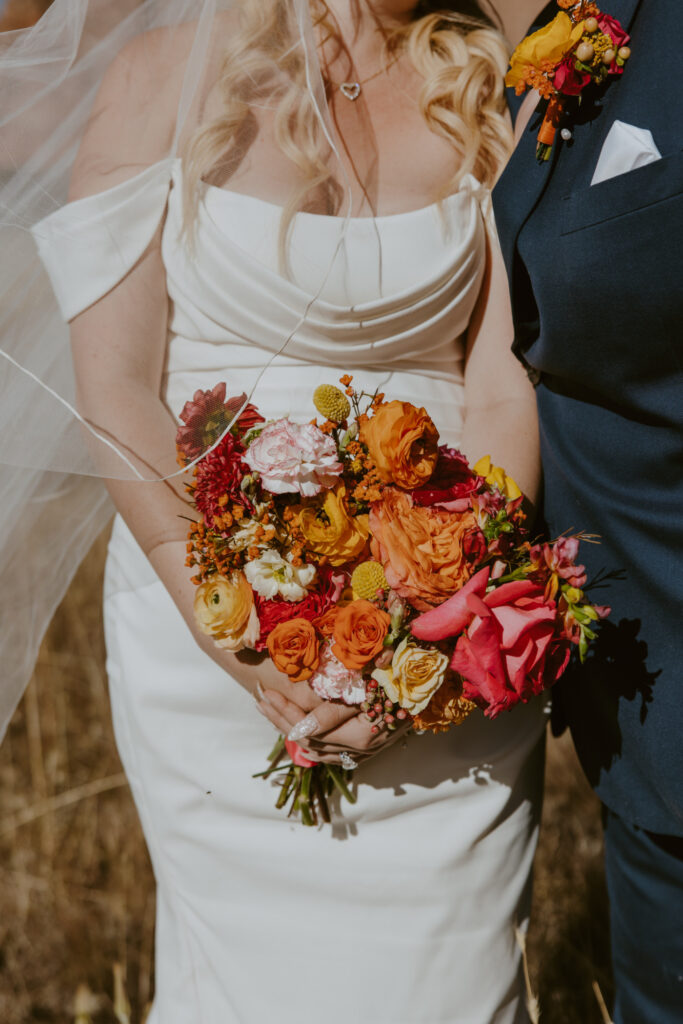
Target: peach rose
{"points": [[447, 707], [359, 632], [224, 609], [403, 444], [421, 549], [293, 645], [330, 530]]}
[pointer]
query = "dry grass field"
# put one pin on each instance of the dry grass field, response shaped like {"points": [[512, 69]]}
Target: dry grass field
{"points": [[76, 889]]}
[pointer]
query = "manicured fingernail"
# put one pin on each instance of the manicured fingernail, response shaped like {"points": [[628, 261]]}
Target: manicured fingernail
{"points": [[308, 726], [261, 695]]}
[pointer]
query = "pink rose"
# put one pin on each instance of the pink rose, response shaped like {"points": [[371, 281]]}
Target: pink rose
{"points": [[568, 80], [333, 681], [614, 29], [619, 36], [292, 457], [508, 647], [297, 755]]}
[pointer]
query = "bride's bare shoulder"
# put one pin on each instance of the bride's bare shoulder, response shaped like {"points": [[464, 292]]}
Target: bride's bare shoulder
{"points": [[134, 117]]}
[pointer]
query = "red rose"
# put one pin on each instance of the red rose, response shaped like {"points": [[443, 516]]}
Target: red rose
{"points": [[508, 646], [450, 483], [568, 80]]}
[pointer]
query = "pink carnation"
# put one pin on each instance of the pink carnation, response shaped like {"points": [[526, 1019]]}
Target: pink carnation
{"points": [[291, 457], [333, 681]]}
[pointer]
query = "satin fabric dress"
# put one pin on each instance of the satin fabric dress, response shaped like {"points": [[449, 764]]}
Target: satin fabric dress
{"points": [[403, 910]]}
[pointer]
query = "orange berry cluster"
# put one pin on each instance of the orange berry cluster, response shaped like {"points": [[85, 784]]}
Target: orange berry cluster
{"points": [[209, 552], [369, 486]]}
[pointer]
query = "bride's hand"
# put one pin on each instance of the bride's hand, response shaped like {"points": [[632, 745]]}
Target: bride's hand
{"points": [[328, 730]]}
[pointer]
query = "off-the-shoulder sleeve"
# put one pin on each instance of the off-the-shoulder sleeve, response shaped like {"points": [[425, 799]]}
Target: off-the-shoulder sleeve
{"points": [[89, 245]]}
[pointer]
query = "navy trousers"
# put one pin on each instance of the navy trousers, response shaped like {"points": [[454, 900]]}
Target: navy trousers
{"points": [[645, 886]]}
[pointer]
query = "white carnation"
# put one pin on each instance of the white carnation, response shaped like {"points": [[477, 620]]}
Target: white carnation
{"points": [[271, 576]]}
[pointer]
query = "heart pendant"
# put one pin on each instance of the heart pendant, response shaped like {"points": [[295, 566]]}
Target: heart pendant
{"points": [[350, 89]]}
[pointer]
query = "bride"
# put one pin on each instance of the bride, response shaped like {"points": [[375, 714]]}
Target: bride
{"points": [[275, 193]]}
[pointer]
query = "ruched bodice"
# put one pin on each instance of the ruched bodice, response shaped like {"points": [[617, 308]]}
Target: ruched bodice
{"points": [[387, 296]]}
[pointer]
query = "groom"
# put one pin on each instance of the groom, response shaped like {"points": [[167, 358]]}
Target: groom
{"points": [[595, 276]]}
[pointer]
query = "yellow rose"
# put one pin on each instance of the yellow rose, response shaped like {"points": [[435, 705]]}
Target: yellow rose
{"points": [[550, 43], [330, 530], [414, 675], [497, 477], [224, 609]]}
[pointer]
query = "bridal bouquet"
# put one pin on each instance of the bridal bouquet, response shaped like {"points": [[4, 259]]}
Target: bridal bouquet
{"points": [[375, 565]]}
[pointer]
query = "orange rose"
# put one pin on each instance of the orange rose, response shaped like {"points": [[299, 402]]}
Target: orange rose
{"points": [[403, 444], [294, 648], [421, 549], [325, 622], [359, 632]]}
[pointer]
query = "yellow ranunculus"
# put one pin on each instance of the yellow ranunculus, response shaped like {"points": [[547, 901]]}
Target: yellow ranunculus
{"points": [[497, 477], [224, 609], [414, 675], [330, 530], [550, 43]]}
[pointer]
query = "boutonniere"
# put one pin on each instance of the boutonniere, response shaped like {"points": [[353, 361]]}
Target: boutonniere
{"points": [[579, 46]]}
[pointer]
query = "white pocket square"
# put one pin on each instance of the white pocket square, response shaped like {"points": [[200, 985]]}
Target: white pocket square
{"points": [[625, 148]]}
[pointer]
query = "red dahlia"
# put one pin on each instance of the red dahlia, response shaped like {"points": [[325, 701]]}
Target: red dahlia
{"points": [[218, 476], [206, 417]]}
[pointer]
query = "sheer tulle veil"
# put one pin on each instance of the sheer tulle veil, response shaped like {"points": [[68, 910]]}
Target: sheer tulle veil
{"points": [[170, 58], [53, 501]]}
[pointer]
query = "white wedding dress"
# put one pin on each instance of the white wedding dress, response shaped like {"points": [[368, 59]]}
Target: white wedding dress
{"points": [[404, 910]]}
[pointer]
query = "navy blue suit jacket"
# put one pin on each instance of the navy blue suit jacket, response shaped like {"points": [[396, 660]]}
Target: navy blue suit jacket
{"points": [[595, 276]]}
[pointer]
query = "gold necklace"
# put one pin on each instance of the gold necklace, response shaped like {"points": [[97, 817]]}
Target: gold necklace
{"points": [[352, 90]]}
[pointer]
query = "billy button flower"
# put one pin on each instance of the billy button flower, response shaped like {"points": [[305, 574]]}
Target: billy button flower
{"points": [[368, 581], [331, 403]]}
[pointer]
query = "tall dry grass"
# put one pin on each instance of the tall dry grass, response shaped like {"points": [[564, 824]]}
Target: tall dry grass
{"points": [[76, 889]]}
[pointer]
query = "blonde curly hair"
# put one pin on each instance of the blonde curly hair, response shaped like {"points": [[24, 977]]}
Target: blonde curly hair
{"points": [[460, 55]]}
